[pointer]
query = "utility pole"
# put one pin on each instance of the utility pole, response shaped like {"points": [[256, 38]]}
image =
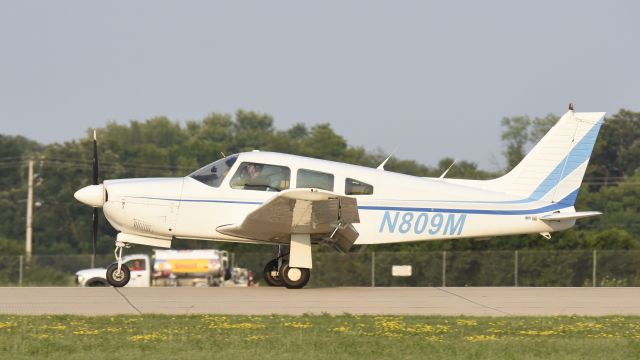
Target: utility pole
{"points": [[29, 211]]}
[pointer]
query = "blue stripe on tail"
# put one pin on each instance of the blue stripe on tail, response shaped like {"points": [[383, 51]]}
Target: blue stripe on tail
{"points": [[578, 155]]}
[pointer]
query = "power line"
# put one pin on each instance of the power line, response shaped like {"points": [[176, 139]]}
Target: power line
{"points": [[73, 164], [121, 164], [11, 166], [107, 165]]}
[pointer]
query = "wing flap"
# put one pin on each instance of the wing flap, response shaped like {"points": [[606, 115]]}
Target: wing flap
{"points": [[300, 211]]}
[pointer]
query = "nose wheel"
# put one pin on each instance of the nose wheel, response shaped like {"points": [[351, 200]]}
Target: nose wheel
{"points": [[118, 278], [118, 274]]}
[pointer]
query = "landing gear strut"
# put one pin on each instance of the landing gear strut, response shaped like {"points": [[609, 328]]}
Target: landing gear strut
{"points": [[118, 274]]}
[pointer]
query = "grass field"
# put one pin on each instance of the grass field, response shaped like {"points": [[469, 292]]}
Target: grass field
{"points": [[317, 337]]}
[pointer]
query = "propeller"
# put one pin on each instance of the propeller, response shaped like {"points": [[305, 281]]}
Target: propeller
{"points": [[95, 209]]}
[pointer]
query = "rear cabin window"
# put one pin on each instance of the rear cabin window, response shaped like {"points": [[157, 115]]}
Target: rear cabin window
{"points": [[261, 177], [314, 179], [357, 187]]}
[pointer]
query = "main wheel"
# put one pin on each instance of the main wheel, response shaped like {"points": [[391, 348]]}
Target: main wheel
{"points": [[118, 278], [271, 274], [293, 277]]}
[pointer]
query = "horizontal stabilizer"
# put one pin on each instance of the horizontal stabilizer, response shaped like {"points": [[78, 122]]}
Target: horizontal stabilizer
{"points": [[570, 215]]}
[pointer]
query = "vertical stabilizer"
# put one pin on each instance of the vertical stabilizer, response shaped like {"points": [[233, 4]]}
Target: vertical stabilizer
{"points": [[553, 170]]}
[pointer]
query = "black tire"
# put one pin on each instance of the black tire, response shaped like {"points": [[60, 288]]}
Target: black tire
{"points": [[271, 275], [118, 280], [294, 278]]}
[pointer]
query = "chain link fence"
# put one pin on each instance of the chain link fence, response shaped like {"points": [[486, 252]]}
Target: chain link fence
{"points": [[449, 268]]}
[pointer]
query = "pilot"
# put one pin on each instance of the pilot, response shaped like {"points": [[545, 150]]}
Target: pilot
{"points": [[249, 175], [252, 171]]}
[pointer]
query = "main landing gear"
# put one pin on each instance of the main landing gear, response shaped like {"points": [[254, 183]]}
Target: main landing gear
{"points": [[118, 274], [277, 272]]}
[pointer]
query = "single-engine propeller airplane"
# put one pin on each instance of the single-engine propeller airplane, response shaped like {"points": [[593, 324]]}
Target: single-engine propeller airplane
{"points": [[294, 202]]}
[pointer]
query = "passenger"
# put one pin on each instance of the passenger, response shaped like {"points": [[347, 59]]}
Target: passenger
{"points": [[136, 266]]}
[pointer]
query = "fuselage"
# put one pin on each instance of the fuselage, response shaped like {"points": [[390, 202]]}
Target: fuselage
{"points": [[393, 207]]}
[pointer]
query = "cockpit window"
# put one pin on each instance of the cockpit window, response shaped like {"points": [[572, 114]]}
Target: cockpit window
{"points": [[214, 173], [261, 177]]}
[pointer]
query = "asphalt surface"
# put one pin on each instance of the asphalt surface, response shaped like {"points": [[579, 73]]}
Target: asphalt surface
{"points": [[476, 301]]}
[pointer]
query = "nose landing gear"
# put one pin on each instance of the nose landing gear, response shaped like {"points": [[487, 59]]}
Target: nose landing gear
{"points": [[118, 274]]}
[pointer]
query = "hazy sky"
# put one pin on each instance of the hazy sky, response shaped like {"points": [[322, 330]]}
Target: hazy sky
{"points": [[432, 79]]}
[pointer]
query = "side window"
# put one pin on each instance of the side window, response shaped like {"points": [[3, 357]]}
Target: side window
{"points": [[357, 187], [261, 177], [314, 179]]}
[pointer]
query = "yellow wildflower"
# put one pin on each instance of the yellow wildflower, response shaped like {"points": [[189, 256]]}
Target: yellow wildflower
{"points": [[464, 322], [154, 336], [474, 338], [86, 332], [342, 329], [297, 325]]}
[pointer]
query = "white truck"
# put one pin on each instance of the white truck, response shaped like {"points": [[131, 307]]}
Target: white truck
{"points": [[168, 268]]}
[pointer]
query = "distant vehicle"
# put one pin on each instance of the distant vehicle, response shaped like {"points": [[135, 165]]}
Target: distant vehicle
{"points": [[240, 277], [169, 268], [294, 202]]}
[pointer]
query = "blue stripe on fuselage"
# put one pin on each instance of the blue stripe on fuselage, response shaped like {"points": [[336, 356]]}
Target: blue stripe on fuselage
{"points": [[200, 200], [551, 207]]}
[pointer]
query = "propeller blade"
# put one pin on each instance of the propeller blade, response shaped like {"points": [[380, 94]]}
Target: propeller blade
{"points": [[95, 210], [95, 236], [95, 159]]}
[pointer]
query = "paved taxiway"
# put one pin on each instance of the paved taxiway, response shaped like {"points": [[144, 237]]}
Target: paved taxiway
{"points": [[474, 301]]}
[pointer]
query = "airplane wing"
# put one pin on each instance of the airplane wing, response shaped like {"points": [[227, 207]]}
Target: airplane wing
{"points": [[570, 215], [326, 216]]}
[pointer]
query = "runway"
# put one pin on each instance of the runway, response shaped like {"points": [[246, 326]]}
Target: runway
{"points": [[476, 301]]}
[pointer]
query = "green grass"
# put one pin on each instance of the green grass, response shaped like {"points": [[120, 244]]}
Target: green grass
{"points": [[317, 337]]}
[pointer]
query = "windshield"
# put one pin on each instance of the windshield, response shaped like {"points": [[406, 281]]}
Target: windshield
{"points": [[214, 173]]}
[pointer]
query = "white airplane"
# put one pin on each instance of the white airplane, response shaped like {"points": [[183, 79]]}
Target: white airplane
{"points": [[294, 202]]}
